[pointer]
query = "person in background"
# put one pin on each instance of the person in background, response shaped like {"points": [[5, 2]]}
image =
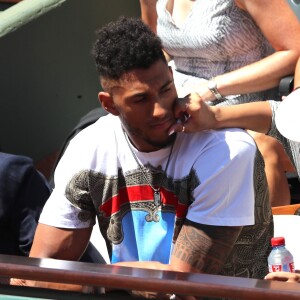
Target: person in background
{"points": [[163, 201], [23, 193], [231, 52]]}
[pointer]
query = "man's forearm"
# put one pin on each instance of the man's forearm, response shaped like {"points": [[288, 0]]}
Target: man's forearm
{"points": [[203, 248]]}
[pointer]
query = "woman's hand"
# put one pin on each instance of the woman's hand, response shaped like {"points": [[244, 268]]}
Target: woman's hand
{"points": [[194, 115], [284, 276]]}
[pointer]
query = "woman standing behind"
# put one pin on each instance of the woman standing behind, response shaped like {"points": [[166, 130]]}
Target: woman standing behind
{"points": [[230, 52]]}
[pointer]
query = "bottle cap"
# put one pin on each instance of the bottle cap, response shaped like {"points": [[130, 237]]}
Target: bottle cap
{"points": [[278, 241]]}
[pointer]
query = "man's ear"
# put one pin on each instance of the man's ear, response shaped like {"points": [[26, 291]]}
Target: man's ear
{"points": [[106, 100]]}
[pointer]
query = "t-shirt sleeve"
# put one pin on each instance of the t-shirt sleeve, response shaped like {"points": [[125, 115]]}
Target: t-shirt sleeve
{"points": [[225, 193], [71, 200]]}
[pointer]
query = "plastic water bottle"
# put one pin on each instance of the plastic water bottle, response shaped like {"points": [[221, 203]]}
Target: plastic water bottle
{"points": [[280, 258]]}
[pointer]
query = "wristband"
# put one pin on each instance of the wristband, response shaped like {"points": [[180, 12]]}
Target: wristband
{"points": [[212, 86]]}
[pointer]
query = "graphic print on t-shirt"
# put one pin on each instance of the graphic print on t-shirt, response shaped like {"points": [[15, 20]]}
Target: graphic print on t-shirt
{"points": [[129, 220]]}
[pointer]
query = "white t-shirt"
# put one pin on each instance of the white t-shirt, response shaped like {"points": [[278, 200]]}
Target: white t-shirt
{"points": [[209, 180]]}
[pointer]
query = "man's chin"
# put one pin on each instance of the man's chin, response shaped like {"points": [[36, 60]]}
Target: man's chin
{"points": [[165, 142]]}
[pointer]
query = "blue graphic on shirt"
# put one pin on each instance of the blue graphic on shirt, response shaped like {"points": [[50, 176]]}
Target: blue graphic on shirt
{"points": [[145, 241]]}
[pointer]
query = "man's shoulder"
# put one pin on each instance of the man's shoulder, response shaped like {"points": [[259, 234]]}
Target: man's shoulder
{"points": [[96, 140], [233, 134], [230, 136], [103, 128], [222, 146], [108, 120], [237, 141]]}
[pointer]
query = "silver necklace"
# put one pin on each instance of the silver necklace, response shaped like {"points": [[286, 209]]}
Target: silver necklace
{"points": [[156, 191]]}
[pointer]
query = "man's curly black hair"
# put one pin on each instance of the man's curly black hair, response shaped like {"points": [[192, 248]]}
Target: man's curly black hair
{"points": [[124, 45]]}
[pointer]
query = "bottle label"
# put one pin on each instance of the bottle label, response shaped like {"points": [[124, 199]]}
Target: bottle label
{"points": [[282, 268]]}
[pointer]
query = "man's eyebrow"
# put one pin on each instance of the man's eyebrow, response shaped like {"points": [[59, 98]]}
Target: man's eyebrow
{"points": [[166, 84], [141, 94], [138, 94], [161, 88]]}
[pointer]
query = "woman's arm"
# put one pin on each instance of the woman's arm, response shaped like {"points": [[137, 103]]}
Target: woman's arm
{"points": [[256, 116], [297, 75], [281, 27], [148, 13]]}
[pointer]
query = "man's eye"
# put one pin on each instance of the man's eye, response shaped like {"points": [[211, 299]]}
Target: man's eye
{"points": [[166, 90], [139, 99]]}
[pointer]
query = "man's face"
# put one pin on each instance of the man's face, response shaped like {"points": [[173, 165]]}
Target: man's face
{"points": [[144, 100]]}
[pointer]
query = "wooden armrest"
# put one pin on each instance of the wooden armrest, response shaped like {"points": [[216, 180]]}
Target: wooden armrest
{"points": [[293, 209]]}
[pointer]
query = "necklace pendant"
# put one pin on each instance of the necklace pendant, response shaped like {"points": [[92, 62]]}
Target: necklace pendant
{"points": [[157, 200]]}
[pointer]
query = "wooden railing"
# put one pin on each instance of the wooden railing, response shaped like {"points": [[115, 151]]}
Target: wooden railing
{"points": [[124, 278], [10, 1], [23, 12]]}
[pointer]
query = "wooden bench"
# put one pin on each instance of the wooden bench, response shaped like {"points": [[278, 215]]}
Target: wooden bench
{"points": [[124, 278]]}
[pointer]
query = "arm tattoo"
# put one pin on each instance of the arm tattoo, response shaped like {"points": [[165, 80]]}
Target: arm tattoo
{"points": [[205, 248]]}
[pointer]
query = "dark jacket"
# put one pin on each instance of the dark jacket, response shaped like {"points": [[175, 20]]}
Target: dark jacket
{"points": [[23, 193]]}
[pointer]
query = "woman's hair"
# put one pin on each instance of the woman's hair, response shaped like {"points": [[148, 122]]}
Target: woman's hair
{"points": [[125, 45]]}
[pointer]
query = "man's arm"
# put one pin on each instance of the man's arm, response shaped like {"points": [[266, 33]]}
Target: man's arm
{"points": [[256, 116], [199, 248], [67, 244], [52, 242], [203, 248]]}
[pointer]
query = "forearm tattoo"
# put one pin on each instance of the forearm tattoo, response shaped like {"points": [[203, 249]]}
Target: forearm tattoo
{"points": [[205, 248]]}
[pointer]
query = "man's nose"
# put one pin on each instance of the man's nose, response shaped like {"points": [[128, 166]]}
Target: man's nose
{"points": [[159, 109]]}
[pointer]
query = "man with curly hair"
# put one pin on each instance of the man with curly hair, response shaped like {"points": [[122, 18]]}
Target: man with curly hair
{"points": [[163, 200]]}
